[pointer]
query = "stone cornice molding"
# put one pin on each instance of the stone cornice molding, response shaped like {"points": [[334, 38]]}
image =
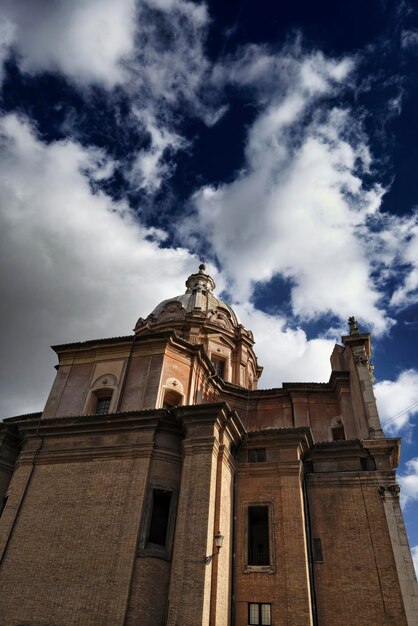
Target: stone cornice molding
{"points": [[89, 424], [286, 437], [388, 447], [348, 479]]}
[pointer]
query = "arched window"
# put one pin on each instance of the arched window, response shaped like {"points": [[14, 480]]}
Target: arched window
{"points": [[102, 396], [172, 398], [337, 430]]}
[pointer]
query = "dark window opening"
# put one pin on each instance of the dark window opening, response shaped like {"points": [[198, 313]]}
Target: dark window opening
{"points": [[161, 501], [338, 433], [219, 365], [317, 550], [103, 405], [257, 455], [368, 464], [309, 467], [259, 614], [258, 535], [172, 399], [3, 505]]}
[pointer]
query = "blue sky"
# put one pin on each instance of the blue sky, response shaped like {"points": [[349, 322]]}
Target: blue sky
{"points": [[279, 143]]}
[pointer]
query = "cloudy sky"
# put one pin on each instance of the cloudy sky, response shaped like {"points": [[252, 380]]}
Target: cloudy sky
{"points": [[280, 144]]}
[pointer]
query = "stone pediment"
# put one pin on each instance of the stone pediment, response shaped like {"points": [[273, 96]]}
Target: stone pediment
{"points": [[172, 311], [219, 317]]}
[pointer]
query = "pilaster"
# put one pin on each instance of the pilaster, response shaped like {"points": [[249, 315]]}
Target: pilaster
{"points": [[359, 345], [203, 482]]}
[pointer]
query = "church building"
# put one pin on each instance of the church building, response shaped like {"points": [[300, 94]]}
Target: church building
{"points": [[160, 487]]}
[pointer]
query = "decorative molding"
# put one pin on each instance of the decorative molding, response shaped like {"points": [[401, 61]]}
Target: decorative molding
{"points": [[393, 490]]}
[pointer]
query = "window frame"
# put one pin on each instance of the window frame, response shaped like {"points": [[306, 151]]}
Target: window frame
{"points": [[170, 391], [271, 567], [100, 391], [215, 357], [317, 554], [259, 605], [337, 431], [336, 428], [257, 452], [145, 547], [100, 398]]}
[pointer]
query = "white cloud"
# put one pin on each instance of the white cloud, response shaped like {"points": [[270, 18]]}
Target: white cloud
{"points": [[409, 39], [72, 259], [166, 80], [286, 354], [401, 237], [169, 63], [151, 165], [397, 398], [414, 552], [86, 40], [152, 50], [7, 35], [154, 47], [269, 73], [298, 207], [77, 259], [409, 482]]}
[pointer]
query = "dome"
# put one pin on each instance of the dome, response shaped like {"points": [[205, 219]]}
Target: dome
{"points": [[199, 298], [199, 318], [197, 305]]}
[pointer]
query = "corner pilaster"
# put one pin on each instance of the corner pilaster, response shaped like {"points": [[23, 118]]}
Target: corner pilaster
{"points": [[359, 346]]}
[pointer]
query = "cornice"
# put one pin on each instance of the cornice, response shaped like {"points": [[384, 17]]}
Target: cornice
{"points": [[337, 379], [90, 453], [70, 425], [348, 478], [91, 343], [300, 434], [28, 416]]}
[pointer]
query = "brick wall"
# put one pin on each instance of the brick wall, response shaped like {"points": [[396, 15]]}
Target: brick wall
{"points": [[357, 579], [69, 531], [275, 483]]}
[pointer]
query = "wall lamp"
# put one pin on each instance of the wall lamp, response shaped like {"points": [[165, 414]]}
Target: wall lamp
{"points": [[218, 543]]}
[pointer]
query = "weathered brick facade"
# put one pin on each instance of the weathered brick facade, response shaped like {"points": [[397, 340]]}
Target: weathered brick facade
{"points": [[151, 445]]}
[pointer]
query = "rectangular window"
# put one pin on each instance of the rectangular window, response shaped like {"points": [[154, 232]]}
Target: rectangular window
{"points": [[258, 535], [103, 405], [259, 614], [368, 464], [158, 521], [257, 455], [317, 550], [338, 433], [161, 501], [219, 365]]}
